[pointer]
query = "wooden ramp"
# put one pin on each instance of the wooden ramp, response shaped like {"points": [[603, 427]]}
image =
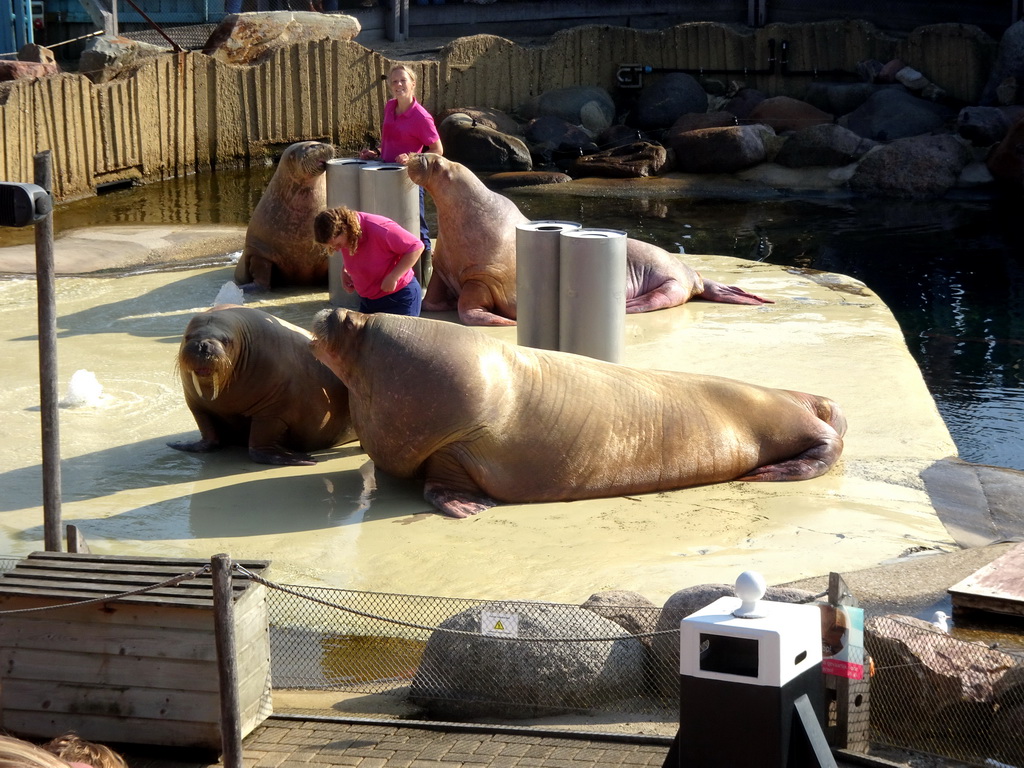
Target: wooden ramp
{"points": [[996, 588]]}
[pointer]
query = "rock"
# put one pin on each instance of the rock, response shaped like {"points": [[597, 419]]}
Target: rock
{"points": [[869, 69], [743, 101], [887, 74], [916, 167], [828, 145], [911, 79], [563, 136], [23, 70], [630, 610], [38, 54], [721, 150], [684, 602], [487, 117], [1008, 91], [1006, 161], [985, 126], [471, 675], [693, 121], [840, 98], [512, 179], [660, 104], [482, 148], [632, 161], [783, 113], [926, 677], [1009, 64], [107, 58], [587, 106], [249, 38], [893, 113]]}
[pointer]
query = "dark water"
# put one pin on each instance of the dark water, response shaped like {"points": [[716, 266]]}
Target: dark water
{"points": [[952, 272]]}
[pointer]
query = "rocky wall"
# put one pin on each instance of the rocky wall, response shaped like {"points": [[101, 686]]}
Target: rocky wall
{"points": [[185, 113]]}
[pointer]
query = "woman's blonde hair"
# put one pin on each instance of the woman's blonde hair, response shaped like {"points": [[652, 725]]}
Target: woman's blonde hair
{"points": [[402, 68], [74, 749], [333, 222], [16, 753]]}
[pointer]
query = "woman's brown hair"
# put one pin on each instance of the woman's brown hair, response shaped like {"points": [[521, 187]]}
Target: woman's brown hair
{"points": [[337, 221]]}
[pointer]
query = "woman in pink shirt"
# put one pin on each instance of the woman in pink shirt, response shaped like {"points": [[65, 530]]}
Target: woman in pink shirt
{"points": [[378, 259], [407, 130]]}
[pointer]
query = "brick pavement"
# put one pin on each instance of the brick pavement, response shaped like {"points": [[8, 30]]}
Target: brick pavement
{"points": [[318, 744]]}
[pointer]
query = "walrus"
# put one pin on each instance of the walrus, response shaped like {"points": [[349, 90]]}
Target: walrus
{"points": [[279, 247], [474, 258], [487, 422], [249, 380]]}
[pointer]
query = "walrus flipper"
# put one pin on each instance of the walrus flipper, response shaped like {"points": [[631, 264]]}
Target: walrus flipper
{"points": [[815, 461], [198, 446], [729, 294], [476, 306], [454, 503]]}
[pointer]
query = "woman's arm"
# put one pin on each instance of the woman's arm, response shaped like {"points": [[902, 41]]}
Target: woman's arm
{"points": [[404, 264]]}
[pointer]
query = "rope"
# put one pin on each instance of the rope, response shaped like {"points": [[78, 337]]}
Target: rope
{"points": [[107, 598], [429, 628]]}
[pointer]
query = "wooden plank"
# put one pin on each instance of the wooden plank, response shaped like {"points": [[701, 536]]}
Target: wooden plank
{"points": [[150, 641], [996, 588], [126, 702], [38, 664]]}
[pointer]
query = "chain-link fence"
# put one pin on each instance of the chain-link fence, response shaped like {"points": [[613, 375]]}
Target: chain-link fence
{"points": [[934, 693], [459, 658]]}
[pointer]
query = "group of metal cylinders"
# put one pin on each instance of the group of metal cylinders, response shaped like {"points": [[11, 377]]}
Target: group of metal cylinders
{"points": [[371, 186], [570, 280]]}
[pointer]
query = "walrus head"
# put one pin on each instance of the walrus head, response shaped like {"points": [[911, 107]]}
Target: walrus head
{"points": [[206, 356], [334, 332], [424, 166], [308, 157]]}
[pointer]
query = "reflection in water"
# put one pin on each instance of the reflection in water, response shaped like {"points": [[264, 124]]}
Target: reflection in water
{"points": [[949, 270]]}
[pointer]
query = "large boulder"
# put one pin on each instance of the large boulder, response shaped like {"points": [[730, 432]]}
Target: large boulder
{"points": [[743, 101], [250, 38], [25, 70], [661, 103], [630, 610], [588, 106], [721, 150], [840, 98], [985, 126], [465, 674], [108, 58], [482, 148], [825, 145], [784, 113], [925, 677], [487, 117], [693, 121], [894, 113], [1008, 67], [632, 161], [916, 167]]}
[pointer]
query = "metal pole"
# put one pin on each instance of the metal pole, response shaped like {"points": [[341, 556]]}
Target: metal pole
{"points": [[48, 400], [227, 662]]}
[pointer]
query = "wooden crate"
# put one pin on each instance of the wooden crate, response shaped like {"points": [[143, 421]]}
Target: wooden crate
{"points": [[140, 669]]}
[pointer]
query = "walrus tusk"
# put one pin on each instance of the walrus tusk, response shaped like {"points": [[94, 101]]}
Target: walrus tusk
{"points": [[195, 383], [216, 387]]}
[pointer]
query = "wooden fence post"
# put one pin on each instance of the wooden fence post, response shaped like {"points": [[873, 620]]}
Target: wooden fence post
{"points": [[227, 663]]}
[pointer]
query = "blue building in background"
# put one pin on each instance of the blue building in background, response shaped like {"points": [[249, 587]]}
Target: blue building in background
{"points": [[18, 29]]}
